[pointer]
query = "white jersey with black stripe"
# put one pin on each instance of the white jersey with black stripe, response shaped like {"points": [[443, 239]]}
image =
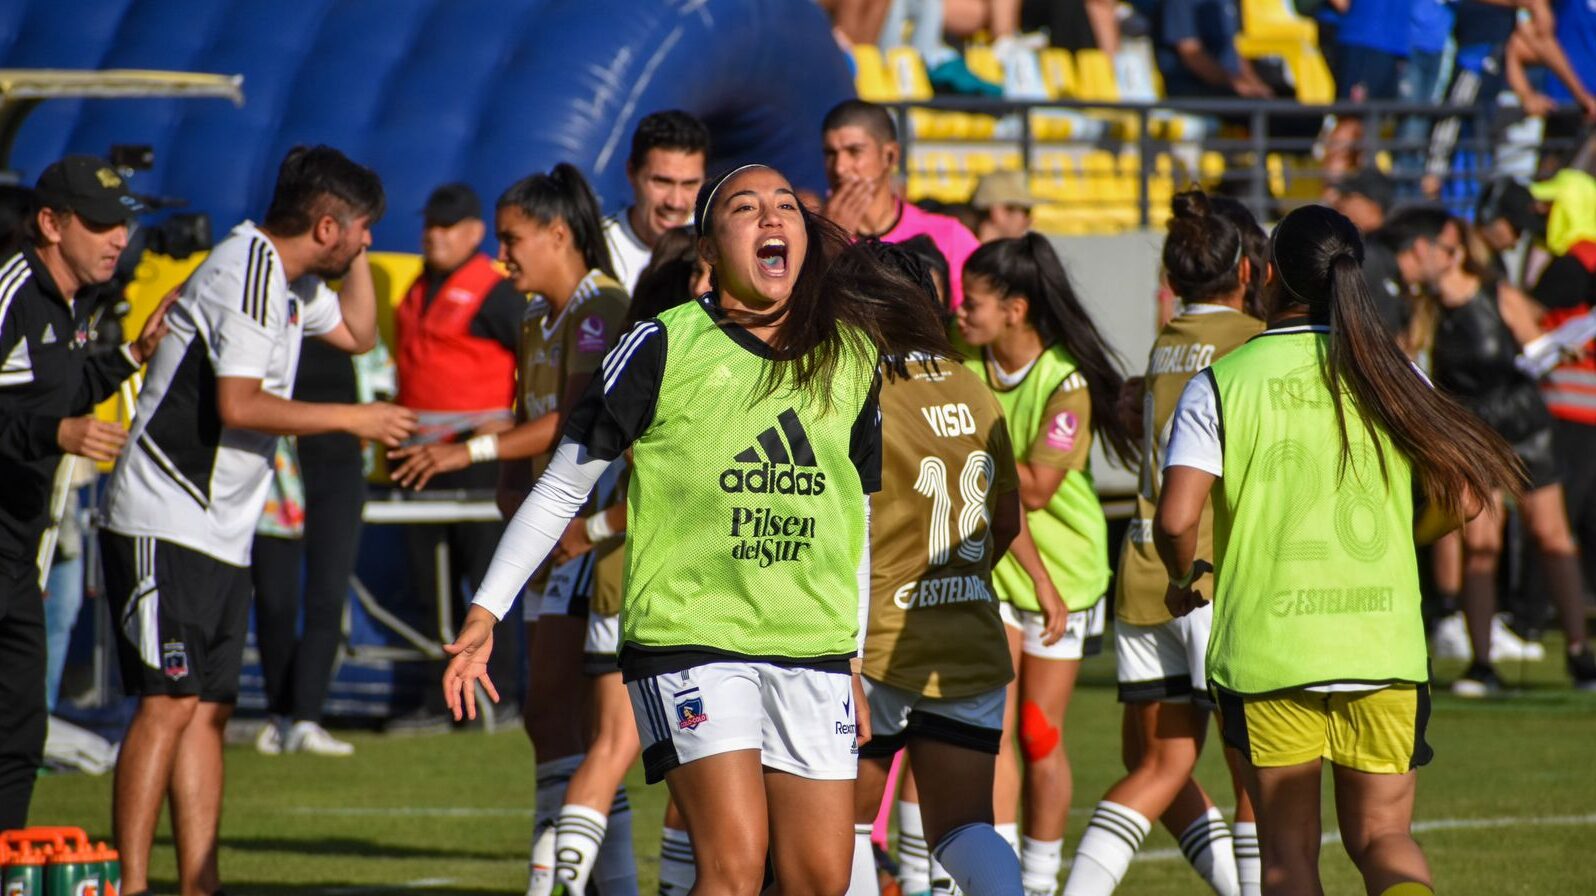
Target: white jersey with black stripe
{"points": [[184, 477]]}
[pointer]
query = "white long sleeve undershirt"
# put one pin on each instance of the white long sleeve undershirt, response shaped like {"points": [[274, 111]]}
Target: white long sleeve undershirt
{"points": [[536, 528]]}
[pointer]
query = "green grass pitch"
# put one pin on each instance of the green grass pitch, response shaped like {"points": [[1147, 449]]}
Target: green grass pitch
{"points": [[1508, 805]]}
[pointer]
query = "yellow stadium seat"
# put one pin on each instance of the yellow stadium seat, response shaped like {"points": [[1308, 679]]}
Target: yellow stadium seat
{"points": [[1096, 76], [871, 79], [983, 63], [1058, 72], [1275, 19], [908, 74]]}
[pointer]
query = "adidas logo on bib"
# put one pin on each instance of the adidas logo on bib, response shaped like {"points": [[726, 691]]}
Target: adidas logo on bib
{"points": [[774, 464]]}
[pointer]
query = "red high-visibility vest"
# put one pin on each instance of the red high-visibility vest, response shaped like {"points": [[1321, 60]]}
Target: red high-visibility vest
{"points": [[1570, 389], [442, 367]]}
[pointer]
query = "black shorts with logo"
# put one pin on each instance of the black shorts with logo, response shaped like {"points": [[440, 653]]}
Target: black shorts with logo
{"points": [[181, 618]]}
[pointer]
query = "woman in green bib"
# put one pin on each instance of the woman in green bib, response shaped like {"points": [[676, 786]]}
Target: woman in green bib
{"points": [[1314, 438], [755, 437], [1058, 383]]}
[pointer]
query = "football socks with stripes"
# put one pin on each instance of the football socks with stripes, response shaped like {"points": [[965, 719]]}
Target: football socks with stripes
{"points": [[1249, 860], [863, 881], [1040, 861], [914, 855], [1207, 846], [676, 869], [552, 776], [578, 834], [615, 872], [980, 862], [1112, 837]]}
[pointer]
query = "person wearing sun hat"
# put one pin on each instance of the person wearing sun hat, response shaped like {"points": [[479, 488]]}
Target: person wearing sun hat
{"points": [[1004, 200], [49, 383]]}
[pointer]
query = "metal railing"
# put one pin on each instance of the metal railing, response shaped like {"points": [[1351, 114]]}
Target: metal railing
{"points": [[1247, 133]]}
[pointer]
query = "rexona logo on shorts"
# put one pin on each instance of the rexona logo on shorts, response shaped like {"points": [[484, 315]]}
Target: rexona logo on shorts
{"points": [[774, 465]]}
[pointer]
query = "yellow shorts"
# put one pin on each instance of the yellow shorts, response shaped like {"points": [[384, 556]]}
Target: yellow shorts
{"points": [[1380, 732]]}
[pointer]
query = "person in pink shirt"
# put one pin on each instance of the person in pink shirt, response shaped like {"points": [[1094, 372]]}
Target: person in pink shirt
{"points": [[861, 148]]}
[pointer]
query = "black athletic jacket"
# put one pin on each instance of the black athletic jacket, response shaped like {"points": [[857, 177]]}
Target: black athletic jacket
{"points": [[46, 374]]}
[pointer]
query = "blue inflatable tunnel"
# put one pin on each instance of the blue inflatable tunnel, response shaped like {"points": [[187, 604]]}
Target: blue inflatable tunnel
{"points": [[429, 91]]}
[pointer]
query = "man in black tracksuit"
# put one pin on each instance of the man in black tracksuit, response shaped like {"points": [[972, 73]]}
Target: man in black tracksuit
{"points": [[49, 384]]}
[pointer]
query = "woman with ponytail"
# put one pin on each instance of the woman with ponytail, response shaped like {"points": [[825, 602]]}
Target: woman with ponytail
{"points": [[1314, 439], [1058, 382], [552, 246], [1209, 264], [752, 422]]}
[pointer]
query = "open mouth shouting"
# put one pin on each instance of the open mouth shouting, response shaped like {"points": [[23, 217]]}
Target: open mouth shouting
{"points": [[772, 256]]}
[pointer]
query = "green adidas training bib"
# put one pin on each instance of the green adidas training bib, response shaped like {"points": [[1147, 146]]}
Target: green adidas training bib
{"points": [[745, 514], [1071, 532], [1316, 579]]}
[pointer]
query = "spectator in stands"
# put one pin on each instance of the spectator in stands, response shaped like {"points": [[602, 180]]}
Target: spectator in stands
{"points": [[1423, 80], [74, 232], [1565, 44], [1074, 24], [1372, 38], [1004, 200], [1195, 44], [1480, 33], [665, 169], [455, 335], [860, 143]]}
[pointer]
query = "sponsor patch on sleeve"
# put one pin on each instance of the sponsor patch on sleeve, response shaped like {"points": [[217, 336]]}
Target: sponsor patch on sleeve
{"points": [[1062, 431], [590, 333]]}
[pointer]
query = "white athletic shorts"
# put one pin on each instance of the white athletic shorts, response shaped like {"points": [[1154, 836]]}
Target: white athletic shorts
{"points": [[1164, 662], [566, 593], [1083, 633], [603, 646], [974, 722], [801, 720]]}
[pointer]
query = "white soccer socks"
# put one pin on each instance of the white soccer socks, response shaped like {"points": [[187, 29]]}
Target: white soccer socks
{"points": [[1112, 837], [579, 832], [1208, 847], [1249, 860], [676, 869], [1040, 861], [914, 856], [863, 880], [552, 776], [980, 861]]}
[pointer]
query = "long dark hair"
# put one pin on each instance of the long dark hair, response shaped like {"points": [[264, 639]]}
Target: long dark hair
{"points": [[1203, 251], [666, 282], [1254, 246], [1317, 257], [563, 194], [834, 308], [1027, 266]]}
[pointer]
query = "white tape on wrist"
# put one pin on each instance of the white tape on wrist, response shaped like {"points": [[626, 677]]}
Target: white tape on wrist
{"points": [[598, 527], [483, 448]]}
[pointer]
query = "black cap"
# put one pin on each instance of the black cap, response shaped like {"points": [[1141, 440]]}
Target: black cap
{"points": [[1371, 185], [450, 204], [88, 186]]}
